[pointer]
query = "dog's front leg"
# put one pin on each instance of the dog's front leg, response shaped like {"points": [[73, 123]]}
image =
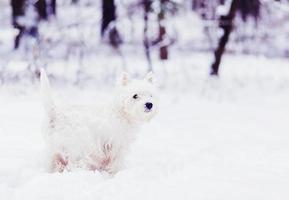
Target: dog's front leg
{"points": [[116, 164], [59, 163]]}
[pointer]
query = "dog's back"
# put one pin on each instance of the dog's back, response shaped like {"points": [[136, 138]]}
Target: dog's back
{"points": [[78, 135]]}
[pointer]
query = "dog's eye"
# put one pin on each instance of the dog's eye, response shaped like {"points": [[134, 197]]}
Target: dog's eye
{"points": [[135, 96]]}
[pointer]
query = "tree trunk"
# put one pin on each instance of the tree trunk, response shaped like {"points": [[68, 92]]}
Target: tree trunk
{"points": [[146, 42], [41, 7], [249, 8], [17, 11], [108, 18], [163, 51], [226, 23], [51, 7], [108, 14]]}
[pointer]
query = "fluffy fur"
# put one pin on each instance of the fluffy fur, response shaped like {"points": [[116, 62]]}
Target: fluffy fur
{"points": [[97, 137]]}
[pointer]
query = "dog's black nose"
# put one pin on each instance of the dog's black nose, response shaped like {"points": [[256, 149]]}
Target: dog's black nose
{"points": [[149, 105]]}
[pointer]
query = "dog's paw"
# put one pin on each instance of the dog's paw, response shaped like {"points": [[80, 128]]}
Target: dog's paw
{"points": [[106, 148], [59, 163]]}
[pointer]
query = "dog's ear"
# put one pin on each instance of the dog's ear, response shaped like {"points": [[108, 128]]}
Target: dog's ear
{"points": [[124, 79], [150, 77]]}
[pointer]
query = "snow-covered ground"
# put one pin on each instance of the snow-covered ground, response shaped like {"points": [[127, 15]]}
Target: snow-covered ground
{"points": [[214, 139]]}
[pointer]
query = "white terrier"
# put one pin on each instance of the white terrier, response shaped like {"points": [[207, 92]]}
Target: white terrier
{"points": [[97, 137]]}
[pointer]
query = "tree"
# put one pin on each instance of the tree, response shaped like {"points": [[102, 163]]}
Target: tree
{"points": [[51, 7], [226, 23], [108, 23], [163, 51], [108, 14], [74, 1], [41, 9], [147, 8], [249, 8], [17, 11], [165, 7], [26, 15]]}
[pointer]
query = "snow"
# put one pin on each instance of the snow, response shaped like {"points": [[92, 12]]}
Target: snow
{"points": [[212, 139]]}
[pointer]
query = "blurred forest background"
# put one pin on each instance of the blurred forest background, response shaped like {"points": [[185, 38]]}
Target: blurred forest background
{"points": [[222, 67], [93, 40]]}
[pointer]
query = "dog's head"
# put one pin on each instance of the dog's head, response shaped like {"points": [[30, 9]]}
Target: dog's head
{"points": [[137, 98]]}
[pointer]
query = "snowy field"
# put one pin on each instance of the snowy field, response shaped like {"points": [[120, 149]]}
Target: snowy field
{"points": [[212, 139]]}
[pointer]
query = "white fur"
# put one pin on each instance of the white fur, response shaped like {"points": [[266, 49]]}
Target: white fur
{"points": [[97, 137]]}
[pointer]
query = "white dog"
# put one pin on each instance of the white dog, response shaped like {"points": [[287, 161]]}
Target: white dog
{"points": [[97, 137]]}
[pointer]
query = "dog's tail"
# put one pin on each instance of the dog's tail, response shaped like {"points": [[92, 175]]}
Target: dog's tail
{"points": [[46, 93]]}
